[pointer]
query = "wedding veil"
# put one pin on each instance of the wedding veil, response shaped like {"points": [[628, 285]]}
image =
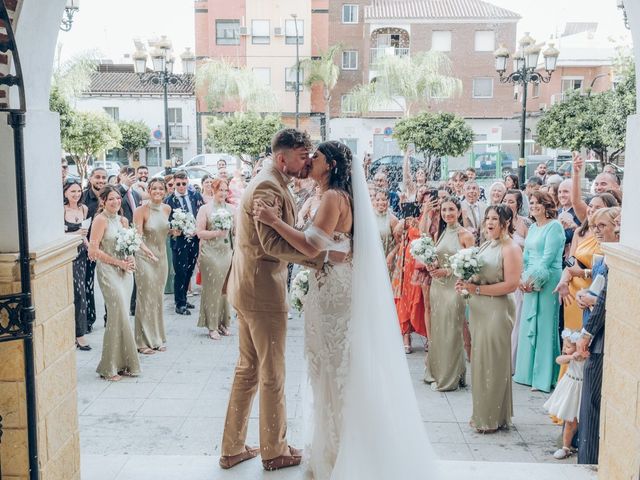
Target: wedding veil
{"points": [[383, 435]]}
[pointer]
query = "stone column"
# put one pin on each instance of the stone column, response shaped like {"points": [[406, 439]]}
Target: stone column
{"points": [[620, 409], [36, 27]]}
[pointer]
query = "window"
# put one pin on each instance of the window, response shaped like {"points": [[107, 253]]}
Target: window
{"points": [[290, 79], [352, 143], [153, 156], [485, 41], [228, 32], [347, 105], [441, 41], [263, 74], [349, 13], [260, 32], [482, 87], [175, 115], [290, 32], [113, 112], [535, 90], [117, 155], [350, 60], [176, 153], [569, 84]]}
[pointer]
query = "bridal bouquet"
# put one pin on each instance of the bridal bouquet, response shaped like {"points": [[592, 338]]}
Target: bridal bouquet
{"points": [[222, 220], [465, 265], [299, 289], [184, 222], [128, 241], [424, 250]]}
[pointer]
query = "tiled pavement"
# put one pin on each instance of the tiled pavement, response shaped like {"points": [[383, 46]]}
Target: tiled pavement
{"points": [[167, 423]]}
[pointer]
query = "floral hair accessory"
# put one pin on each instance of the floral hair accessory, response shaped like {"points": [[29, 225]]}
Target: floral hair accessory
{"points": [[572, 335]]}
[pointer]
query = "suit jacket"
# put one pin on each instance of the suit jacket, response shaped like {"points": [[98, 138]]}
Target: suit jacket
{"points": [[173, 201], [257, 279], [593, 321], [127, 212], [468, 220]]}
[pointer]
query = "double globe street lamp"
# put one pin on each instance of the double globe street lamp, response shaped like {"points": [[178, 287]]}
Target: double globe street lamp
{"points": [[525, 64], [163, 61]]}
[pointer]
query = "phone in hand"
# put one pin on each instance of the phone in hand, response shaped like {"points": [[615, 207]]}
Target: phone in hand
{"points": [[410, 209]]}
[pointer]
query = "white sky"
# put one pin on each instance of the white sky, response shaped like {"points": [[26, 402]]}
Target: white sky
{"points": [[110, 25]]}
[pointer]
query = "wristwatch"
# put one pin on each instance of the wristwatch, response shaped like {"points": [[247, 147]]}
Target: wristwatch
{"points": [[477, 289]]}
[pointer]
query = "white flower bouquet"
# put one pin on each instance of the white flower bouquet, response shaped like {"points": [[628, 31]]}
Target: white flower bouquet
{"points": [[465, 265], [299, 289], [184, 222], [222, 220], [423, 249], [128, 241]]}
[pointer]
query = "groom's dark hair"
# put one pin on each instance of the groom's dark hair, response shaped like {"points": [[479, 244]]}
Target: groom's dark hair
{"points": [[289, 139]]}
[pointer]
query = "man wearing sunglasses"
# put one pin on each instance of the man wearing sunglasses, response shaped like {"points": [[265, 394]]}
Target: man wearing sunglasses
{"points": [[184, 248]]}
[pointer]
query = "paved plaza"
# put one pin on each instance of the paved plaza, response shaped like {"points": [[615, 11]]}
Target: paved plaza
{"points": [[168, 422]]}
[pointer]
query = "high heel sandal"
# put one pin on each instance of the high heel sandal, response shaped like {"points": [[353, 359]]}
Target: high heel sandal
{"points": [[84, 348]]}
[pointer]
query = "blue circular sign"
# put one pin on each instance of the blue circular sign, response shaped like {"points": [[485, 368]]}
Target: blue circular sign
{"points": [[388, 131], [157, 134]]}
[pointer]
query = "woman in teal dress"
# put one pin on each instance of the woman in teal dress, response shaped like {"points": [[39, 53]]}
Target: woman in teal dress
{"points": [[538, 341], [491, 316]]}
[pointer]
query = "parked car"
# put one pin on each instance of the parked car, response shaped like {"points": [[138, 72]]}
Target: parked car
{"points": [[485, 164], [195, 174], [592, 168], [534, 160], [392, 164], [210, 162]]}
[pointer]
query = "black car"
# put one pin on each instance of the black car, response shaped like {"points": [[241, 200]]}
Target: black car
{"points": [[392, 164]]}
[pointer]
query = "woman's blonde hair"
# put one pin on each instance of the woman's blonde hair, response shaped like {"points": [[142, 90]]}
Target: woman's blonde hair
{"points": [[609, 214]]}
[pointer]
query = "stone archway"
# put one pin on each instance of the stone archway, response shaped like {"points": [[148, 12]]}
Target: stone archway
{"points": [[36, 24]]}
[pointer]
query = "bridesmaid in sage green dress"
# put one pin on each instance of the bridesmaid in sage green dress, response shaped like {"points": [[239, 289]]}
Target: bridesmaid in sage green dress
{"points": [[119, 353], [445, 366], [214, 262], [491, 317], [152, 222]]}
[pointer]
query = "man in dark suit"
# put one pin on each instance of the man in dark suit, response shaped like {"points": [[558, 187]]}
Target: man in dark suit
{"points": [[130, 201], [184, 249], [593, 339], [97, 180]]}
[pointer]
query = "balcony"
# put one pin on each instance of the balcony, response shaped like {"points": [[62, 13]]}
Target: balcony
{"points": [[563, 97], [178, 132], [380, 52]]}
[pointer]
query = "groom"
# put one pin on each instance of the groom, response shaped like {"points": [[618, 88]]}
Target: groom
{"points": [[257, 290]]}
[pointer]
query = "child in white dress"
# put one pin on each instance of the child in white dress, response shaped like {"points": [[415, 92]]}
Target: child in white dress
{"points": [[564, 402]]}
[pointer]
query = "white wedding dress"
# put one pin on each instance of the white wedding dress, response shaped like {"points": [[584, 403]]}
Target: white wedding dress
{"points": [[364, 422]]}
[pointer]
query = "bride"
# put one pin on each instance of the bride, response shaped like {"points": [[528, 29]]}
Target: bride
{"points": [[366, 423]]}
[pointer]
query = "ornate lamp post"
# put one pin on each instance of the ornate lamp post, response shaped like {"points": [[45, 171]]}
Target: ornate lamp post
{"points": [[295, 22], [162, 74], [525, 63], [70, 9]]}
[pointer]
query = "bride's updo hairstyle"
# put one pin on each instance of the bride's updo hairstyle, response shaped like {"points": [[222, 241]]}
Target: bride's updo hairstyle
{"points": [[339, 158]]}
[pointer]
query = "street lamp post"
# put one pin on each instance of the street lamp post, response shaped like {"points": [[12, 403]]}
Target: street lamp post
{"points": [[295, 22], [525, 63], [162, 74]]}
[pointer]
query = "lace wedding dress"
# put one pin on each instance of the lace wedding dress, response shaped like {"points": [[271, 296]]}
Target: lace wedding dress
{"points": [[364, 419]]}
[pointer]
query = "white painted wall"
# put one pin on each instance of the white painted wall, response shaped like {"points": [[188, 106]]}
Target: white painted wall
{"points": [[150, 110]]}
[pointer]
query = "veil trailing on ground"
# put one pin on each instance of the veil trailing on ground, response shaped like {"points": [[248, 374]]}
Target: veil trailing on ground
{"points": [[383, 435]]}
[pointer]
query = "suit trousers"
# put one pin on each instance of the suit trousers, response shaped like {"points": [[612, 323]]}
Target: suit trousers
{"points": [[90, 295], [589, 430], [185, 256], [261, 364]]}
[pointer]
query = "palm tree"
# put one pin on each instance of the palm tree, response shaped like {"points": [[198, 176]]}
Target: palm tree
{"points": [[323, 70], [223, 81], [407, 82]]}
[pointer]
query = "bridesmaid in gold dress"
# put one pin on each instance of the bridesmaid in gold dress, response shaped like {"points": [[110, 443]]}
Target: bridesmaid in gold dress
{"points": [[387, 222], [119, 354], [214, 262], [445, 367], [491, 315], [152, 222]]}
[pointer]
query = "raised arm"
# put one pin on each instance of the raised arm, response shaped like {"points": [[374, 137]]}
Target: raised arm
{"points": [[409, 184], [579, 205]]}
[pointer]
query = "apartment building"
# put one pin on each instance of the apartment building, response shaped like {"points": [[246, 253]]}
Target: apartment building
{"points": [[467, 31], [263, 36]]}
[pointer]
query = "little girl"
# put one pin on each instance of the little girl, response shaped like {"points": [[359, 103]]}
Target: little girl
{"points": [[564, 402]]}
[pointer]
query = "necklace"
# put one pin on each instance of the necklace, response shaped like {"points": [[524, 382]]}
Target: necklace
{"points": [[72, 211]]}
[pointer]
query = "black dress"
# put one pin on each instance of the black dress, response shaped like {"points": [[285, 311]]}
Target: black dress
{"points": [[79, 279]]}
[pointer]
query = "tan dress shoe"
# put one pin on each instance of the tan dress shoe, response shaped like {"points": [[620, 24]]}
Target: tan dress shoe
{"points": [[284, 461], [229, 461]]}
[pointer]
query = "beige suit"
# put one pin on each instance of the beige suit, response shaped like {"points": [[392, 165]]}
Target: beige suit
{"points": [[257, 290]]}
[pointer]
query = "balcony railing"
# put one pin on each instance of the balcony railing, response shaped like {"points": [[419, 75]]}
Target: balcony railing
{"points": [[563, 97], [379, 52], [179, 132]]}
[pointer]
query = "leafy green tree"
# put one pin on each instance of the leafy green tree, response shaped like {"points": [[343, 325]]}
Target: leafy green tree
{"points": [[135, 136], [434, 135], [620, 103], [73, 77], [410, 82], [324, 71], [89, 134], [224, 82], [243, 134], [59, 104]]}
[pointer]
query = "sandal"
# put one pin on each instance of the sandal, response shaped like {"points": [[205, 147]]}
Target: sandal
{"points": [[561, 453], [161, 349], [214, 335], [114, 378], [224, 331], [146, 351], [127, 373], [408, 349]]}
